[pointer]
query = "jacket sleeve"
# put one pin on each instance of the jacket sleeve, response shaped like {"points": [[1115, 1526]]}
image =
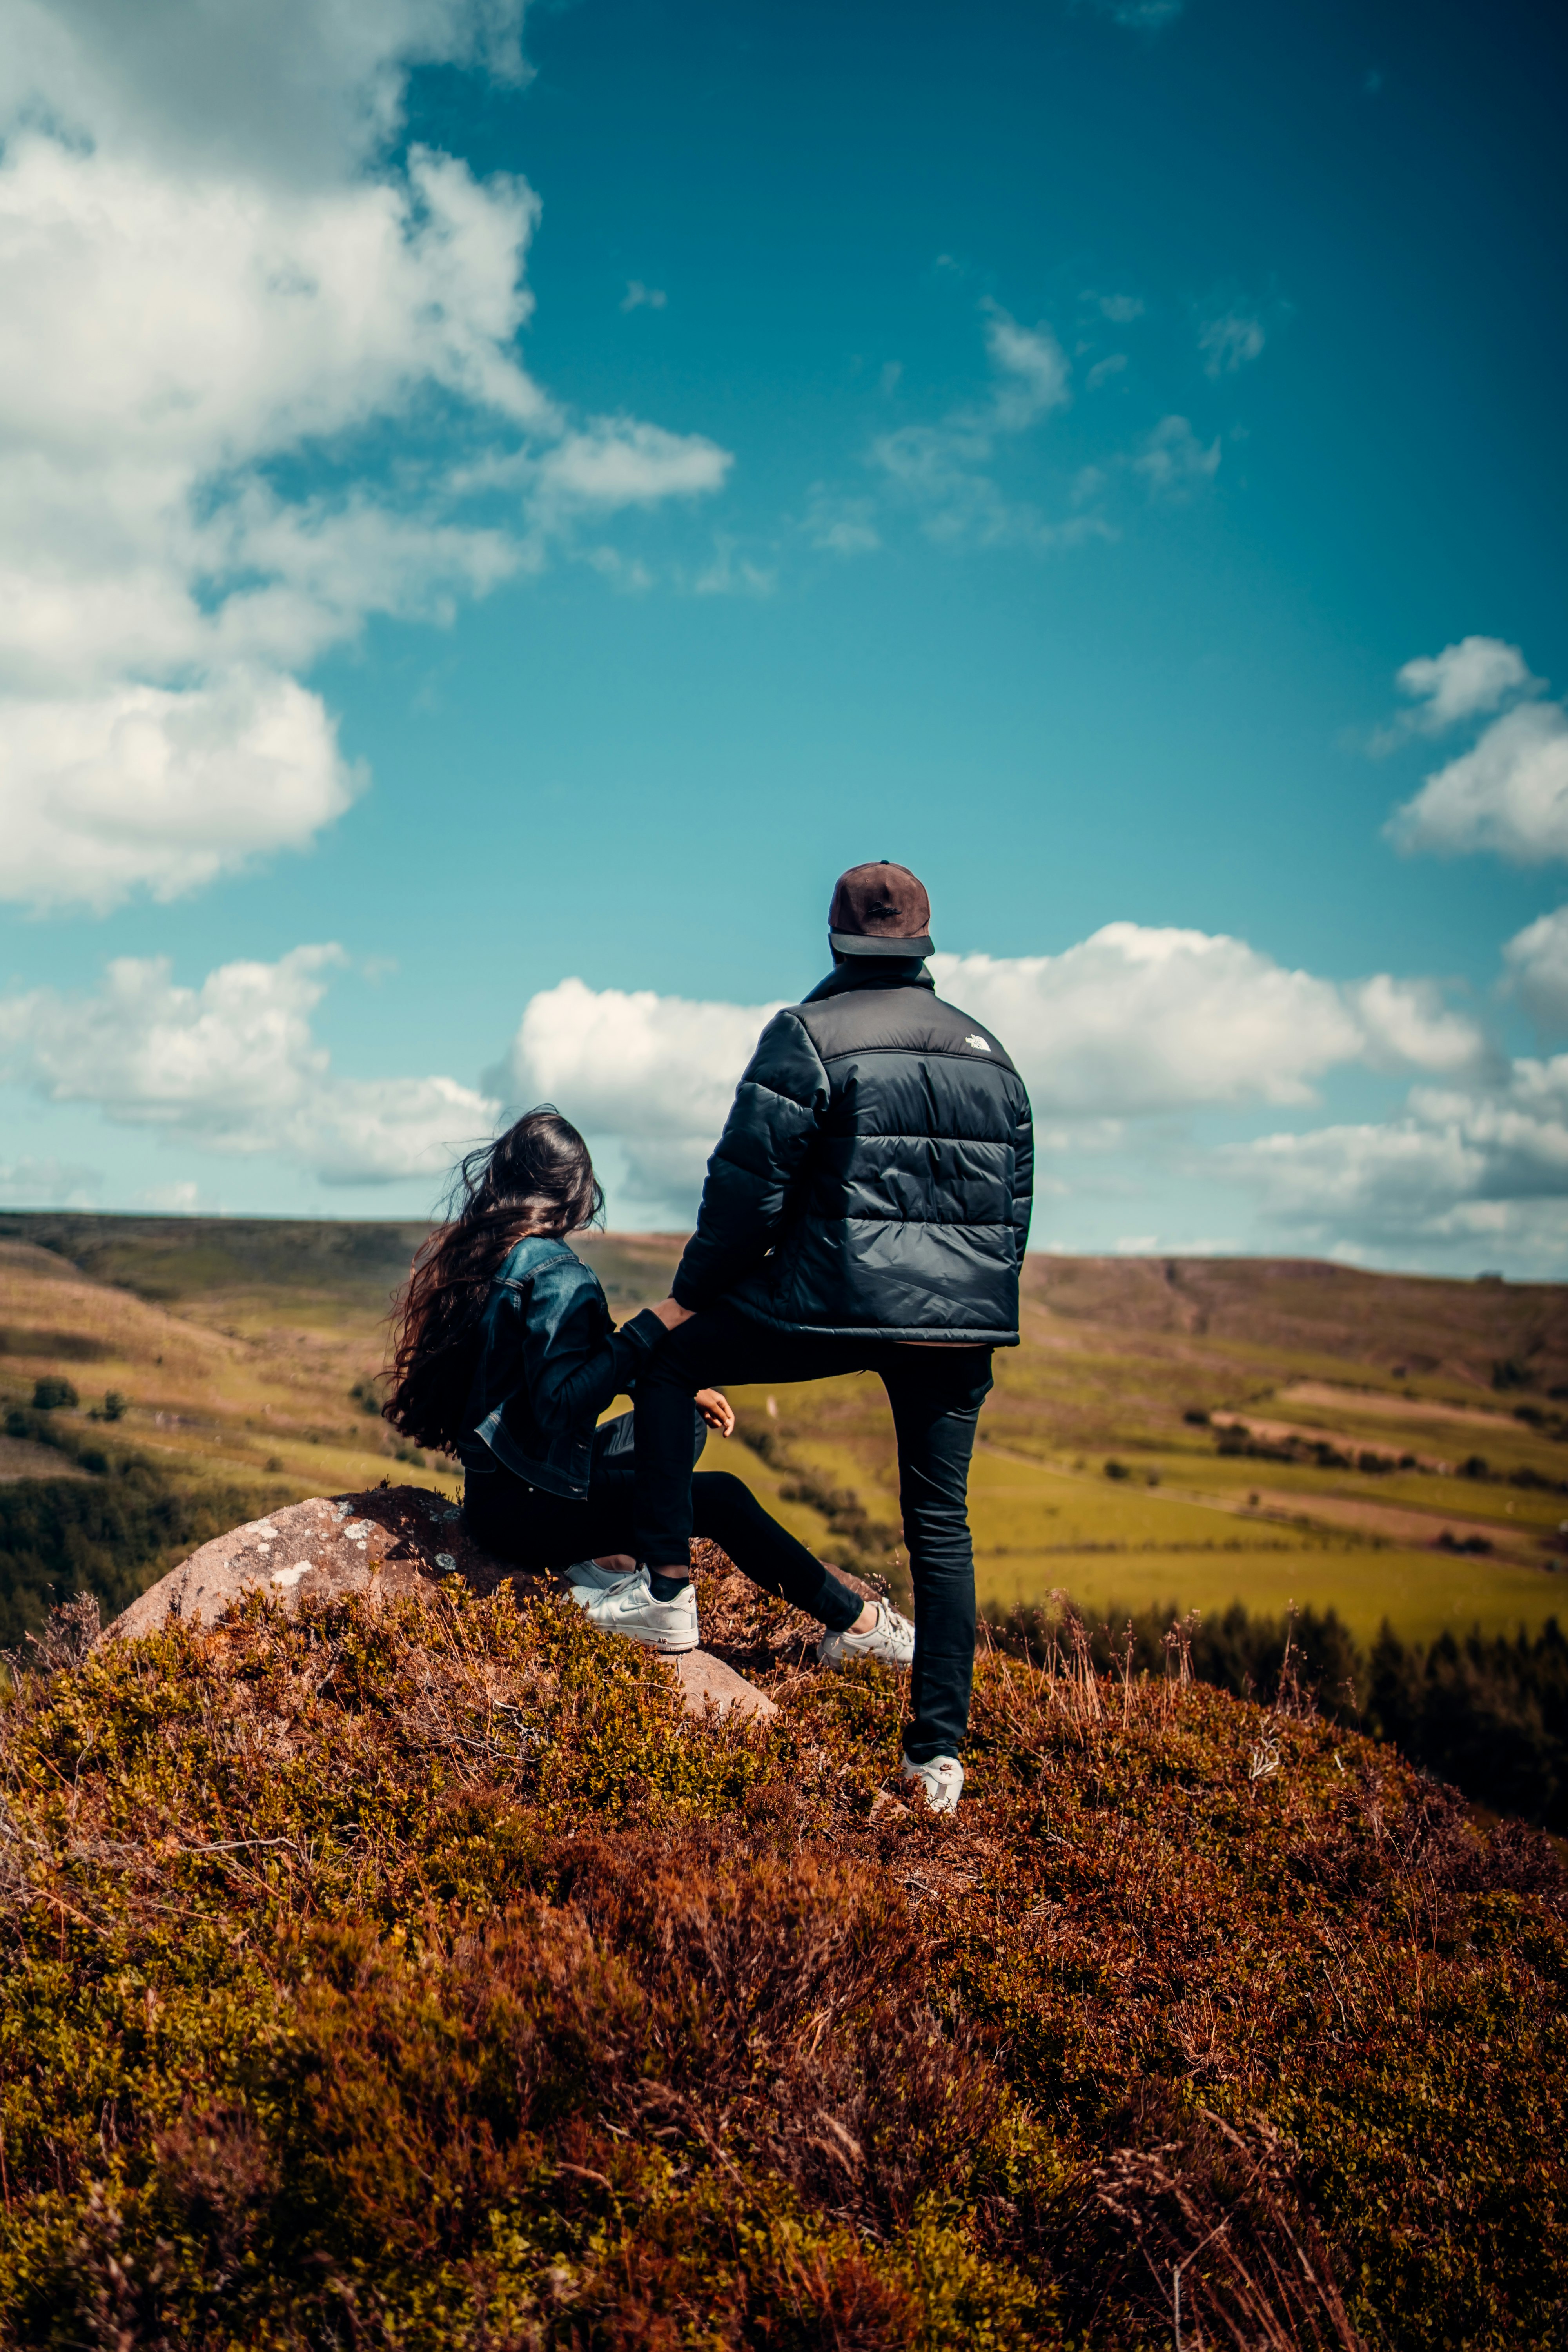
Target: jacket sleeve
{"points": [[773, 1123], [572, 1362], [1023, 1172]]}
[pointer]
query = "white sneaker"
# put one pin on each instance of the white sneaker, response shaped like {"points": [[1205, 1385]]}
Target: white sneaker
{"points": [[889, 1637], [629, 1607], [586, 1579], [941, 1778]]}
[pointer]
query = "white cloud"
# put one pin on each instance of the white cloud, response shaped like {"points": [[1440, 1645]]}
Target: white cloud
{"points": [[657, 1072], [1508, 794], [1103, 369], [1230, 342], [630, 1062], [1120, 308], [1459, 1167], [1032, 374], [294, 92], [618, 462], [639, 297], [208, 265], [1131, 1022], [1406, 1024], [1174, 461], [1136, 1020], [1537, 961], [1463, 681], [235, 1066], [143, 786], [941, 468]]}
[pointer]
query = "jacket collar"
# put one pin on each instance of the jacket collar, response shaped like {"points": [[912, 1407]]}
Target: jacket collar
{"points": [[526, 1256], [872, 971]]}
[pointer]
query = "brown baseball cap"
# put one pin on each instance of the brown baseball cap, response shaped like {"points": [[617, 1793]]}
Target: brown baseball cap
{"points": [[879, 910]]}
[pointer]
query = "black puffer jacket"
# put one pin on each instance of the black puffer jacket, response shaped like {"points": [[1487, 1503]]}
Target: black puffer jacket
{"points": [[874, 1176]]}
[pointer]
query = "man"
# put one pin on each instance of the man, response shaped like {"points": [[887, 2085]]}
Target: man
{"points": [[866, 1209]]}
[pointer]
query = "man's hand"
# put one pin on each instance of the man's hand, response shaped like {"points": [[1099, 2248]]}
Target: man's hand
{"points": [[716, 1411], [671, 1313]]}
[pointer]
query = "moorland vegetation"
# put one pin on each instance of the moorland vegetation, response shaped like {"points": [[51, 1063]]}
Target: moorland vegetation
{"points": [[1383, 1458], [427, 1978]]}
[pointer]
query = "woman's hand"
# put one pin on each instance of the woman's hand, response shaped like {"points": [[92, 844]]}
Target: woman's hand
{"points": [[671, 1313], [716, 1411]]}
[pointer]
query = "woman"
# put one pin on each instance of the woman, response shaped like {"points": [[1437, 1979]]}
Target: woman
{"points": [[506, 1356]]}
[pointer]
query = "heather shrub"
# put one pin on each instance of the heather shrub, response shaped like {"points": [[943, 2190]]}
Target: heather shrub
{"points": [[1487, 1713], [426, 1976]]}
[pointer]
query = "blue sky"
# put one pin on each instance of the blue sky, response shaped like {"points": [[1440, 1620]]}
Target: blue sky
{"points": [[494, 515]]}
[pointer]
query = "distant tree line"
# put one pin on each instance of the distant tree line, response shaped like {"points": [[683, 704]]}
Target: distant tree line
{"points": [[1487, 1713], [110, 1533]]}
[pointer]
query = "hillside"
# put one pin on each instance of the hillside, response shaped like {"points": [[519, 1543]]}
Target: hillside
{"points": [[424, 1976], [1172, 1435], [427, 1978], [1402, 1451]]}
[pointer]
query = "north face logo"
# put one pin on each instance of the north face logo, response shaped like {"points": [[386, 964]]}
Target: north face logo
{"points": [[979, 1045]]}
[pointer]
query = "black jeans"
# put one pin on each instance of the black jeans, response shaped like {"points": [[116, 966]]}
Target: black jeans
{"points": [[536, 1531], [936, 1395]]}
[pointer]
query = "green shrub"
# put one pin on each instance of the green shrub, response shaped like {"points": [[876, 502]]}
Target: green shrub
{"points": [[52, 1394], [110, 1534], [424, 1977]]}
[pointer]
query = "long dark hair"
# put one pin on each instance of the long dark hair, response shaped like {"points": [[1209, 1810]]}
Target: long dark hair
{"points": [[535, 1179]]}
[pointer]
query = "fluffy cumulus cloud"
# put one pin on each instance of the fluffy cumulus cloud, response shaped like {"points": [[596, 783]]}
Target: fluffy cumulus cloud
{"points": [[1536, 959], [1132, 1026], [143, 785], [1509, 792], [1461, 1167], [1476, 674], [1132, 1023], [234, 1065], [210, 267], [656, 1072], [1137, 1020]]}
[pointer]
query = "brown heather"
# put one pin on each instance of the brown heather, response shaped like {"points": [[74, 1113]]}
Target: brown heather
{"points": [[428, 1980]]}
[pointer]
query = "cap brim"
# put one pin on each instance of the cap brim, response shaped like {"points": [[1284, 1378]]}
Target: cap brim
{"points": [[852, 943]]}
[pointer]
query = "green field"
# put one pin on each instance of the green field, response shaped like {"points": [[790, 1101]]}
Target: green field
{"points": [[239, 1344]]}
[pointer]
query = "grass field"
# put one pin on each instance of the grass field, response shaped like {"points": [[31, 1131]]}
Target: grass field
{"points": [[239, 1345]]}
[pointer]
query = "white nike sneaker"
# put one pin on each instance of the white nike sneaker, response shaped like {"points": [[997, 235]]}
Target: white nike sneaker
{"points": [[629, 1607], [889, 1637], [941, 1778], [586, 1579]]}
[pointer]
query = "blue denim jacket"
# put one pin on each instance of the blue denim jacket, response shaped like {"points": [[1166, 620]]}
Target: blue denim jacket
{"points": [[550, 1361]]}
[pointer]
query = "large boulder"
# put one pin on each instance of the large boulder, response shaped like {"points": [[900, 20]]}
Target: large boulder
{"points": [[315, 1550], [391, 1543]]}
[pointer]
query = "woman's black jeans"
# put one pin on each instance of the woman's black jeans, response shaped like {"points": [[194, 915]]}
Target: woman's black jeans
{"points": [[536, 1531], [936, 1395]]}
